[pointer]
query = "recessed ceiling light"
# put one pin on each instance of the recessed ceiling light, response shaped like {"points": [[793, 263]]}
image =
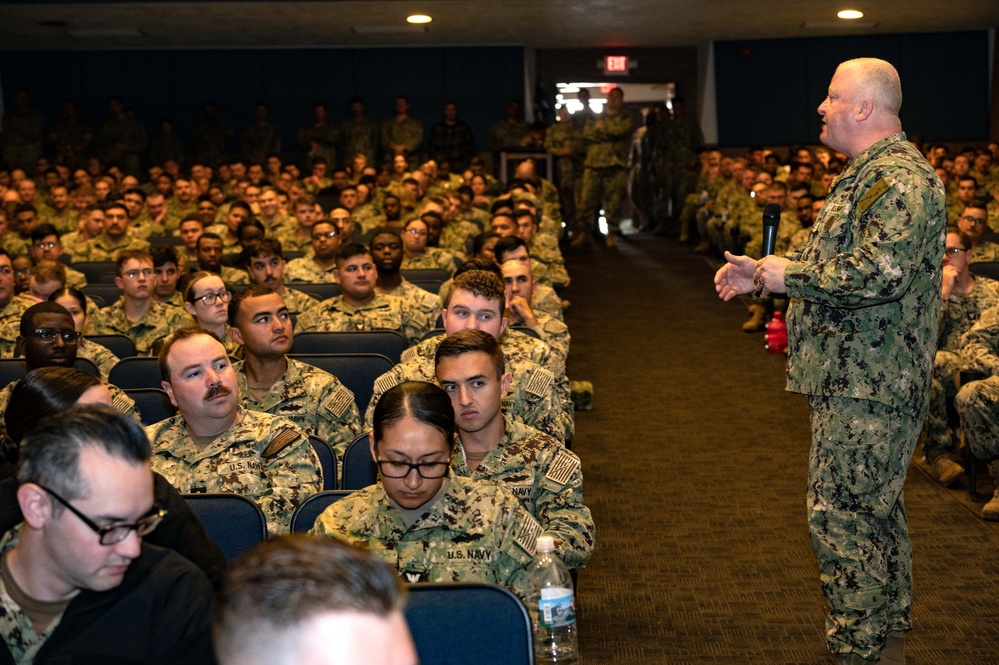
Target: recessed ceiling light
{"points": [[850, 14], [418, 18]]}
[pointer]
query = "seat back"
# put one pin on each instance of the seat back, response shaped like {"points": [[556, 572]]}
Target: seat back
{"points": [[96, 272], [388, 343], [357, 371], [359, 470], [305, 515], [135, 372], [988, 269], [233, 521], [120, 345], [316, 290], [14, 369], [327, 461], [153, 404], [495, 627]]}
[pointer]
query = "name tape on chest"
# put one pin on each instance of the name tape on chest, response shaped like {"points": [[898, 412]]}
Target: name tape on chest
{"points": [[281, 440], [563, 467], [339, 402], [871, 196]]}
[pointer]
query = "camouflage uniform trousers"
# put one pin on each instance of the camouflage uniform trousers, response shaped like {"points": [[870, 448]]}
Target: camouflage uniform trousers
{"points": [[939, 434], [602, 187], [856, 517], [977, 403]]}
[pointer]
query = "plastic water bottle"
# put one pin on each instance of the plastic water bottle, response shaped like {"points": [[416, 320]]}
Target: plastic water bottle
{"points": [[552, 607]]}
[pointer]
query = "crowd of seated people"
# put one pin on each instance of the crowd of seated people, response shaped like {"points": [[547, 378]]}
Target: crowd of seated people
{"points": [[214, 269]]}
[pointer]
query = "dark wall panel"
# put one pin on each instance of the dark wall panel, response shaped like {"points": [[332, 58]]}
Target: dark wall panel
{"points": [[768, 90], [290, 81]]}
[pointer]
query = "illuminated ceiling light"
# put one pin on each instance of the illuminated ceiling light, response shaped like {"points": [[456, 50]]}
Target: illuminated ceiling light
{"points": [[850, 14], [419, 19]]}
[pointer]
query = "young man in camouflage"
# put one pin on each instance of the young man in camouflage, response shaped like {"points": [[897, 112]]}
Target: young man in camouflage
{"points": [[266, 267], [319, 267], [862, 324], [547, 478], [215, 445], [360, 307], [271, 382], [519, 285], [113, 240]]}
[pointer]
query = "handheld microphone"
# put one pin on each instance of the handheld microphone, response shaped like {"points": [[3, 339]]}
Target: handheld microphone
{"points": [[771, 218]]}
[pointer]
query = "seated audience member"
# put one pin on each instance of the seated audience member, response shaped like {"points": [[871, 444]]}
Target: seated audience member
{"points": [[214, 445], [519, 285], [271, 382], [386, 250], [476, 300], [46, 277], [210, 260], [191, 228], [416, 254], [78, 581], [46, 246], [76, 304], [206, 299], [359, 306], [973, 222], [320, 266], [431, 524], [48, 338], [266, 266], [46, 391], [543, 297], [170, 270], [114, 238], [320, 601], [545, 476], [136, 314], [299, 237], [965, 298]]}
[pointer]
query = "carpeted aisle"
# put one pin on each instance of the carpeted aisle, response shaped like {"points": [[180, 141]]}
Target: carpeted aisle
{"points": [[695, 461]]}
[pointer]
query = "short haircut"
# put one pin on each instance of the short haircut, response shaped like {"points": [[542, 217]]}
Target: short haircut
{"points": [[965, 239], [384, 232], [509, 244], [432, 215], [27, 323], [50, 453], [41, 393], [965, 178], [479, 241], [192, 218], [479, 283], [182, 334], [425, 402], [209, 236], [252, 291], [287, 581], [241, 204], [116, 203], [42, 231], [138, 192], [24, 207], [48, 270], [264, 247], [479, 263], [472, 341], [978, 204], [350, 250], [130, 255]]}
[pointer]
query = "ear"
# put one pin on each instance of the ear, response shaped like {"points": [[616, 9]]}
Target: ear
{"points": [[168, 389], [236, 335], [503, 325], [865, 109], [189, 308], [19, 345], [505, 382], [336, 275], [371, 445], [36, 505], [118, 282]]}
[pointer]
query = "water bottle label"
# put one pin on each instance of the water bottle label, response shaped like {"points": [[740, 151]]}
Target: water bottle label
{"points": [[556, 608]]}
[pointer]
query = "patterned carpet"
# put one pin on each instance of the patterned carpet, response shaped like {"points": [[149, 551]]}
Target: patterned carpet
{"points": [[695, 462]]}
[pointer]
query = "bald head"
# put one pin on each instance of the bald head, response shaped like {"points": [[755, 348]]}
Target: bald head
{"points": [[878, 80]]}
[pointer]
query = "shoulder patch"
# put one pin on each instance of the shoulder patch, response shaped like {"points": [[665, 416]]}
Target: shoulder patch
{"points": [[339, 401], [385, 383], [281, 441], [409, 354], [557, 365], [541, 382], [870, 197], [122, 402], [554, 326], [563, 467], [526, 530]]}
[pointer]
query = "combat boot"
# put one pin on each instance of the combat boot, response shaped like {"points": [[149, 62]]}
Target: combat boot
{"points": [[582, 239], [990, 511], [893, 652], [757, 319], [703, 247], [947, 471]]}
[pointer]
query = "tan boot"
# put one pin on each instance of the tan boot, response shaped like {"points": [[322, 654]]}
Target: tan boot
{"points": [[947, 471], [610, 240], [703, 247], [582, 239], [757, 319], [893, 652]]}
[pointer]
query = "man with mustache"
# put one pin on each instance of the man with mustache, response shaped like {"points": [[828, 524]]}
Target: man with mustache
{"points": [[214, 445]]}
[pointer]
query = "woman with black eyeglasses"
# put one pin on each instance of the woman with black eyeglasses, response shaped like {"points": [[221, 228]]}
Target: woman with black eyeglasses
{"points": [[206, 299]]}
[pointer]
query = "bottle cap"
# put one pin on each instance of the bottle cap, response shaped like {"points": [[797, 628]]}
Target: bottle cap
{"points": [[546, 544]]}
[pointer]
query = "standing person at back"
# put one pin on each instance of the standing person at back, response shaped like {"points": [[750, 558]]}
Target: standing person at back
{"points": [[865, 292]]}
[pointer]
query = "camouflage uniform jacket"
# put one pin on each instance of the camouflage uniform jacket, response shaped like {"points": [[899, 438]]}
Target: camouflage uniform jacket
{"points": [[305, 269], [866, 287], [980, 345], [232, 275], [425, 301], [313, 399], [381, 313], [547, 256], [159, 321], [534, 397], [433, 258], [958, 313], [546, 300], [297, 301], [263, 457], [407, 133], [119, 400], [103, 248], [324, 136], [506, 135], [548, 480], [359, 137], [553, 332], [291, 241], [986, 251], [455, 236], [259, 140], [476, 532], [607, 139]]}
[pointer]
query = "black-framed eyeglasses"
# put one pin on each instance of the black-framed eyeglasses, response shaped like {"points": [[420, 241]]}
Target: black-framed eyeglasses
{"points": [[212, 298], [134, 274], [974, 220], [48, 335], [954, 251], [327, 234], [427, 470], [112, 534], [45, 245]]}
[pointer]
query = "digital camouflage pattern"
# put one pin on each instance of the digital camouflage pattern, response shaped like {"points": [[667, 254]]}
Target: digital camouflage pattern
{"points": [[427, 303], [304, 269], [433, 258], [359, 137], [16, 628], [978, 401], [862, 324], [263, 457], [476, 532], [103, 248], [311, 398], [407, 133], [382, 313], [158, 322], [548, 480], [298, 301], [605, 172]]}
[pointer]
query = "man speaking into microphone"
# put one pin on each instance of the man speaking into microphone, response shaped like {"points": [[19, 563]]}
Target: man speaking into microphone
{"points": [[865, 299]]}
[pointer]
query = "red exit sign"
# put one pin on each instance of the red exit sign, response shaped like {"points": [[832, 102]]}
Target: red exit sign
{"points": [[616, 64]]}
